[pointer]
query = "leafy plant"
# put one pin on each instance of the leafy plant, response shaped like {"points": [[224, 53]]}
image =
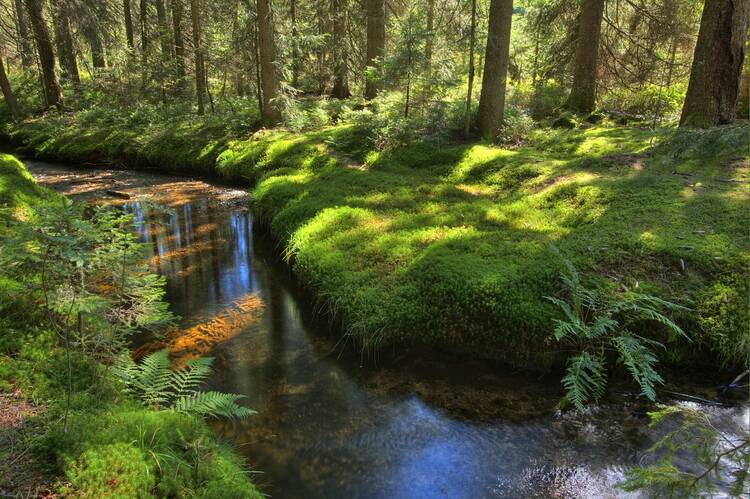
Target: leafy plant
{"points": [[159, 386], [722, 455], [598, 324]]}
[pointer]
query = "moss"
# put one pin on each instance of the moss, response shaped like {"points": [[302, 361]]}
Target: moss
{"points": [[449, 245]]}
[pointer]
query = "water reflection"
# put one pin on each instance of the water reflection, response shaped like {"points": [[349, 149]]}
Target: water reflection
{"points": [[326, 427]]}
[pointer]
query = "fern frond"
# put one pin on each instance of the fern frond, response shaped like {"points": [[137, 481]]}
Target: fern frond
{"points": [[585, 379], [185, 380], [212, 404], [640, 362]]}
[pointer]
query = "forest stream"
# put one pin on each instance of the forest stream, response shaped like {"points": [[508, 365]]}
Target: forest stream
{"points": [[331, 423]]}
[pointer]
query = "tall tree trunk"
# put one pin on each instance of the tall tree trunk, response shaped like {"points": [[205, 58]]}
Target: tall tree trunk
{"points": [[91, 32], [179, 42], [25, 45], [10, 98], [375, 40], [64, 42], [267, 48], [340, 46], [256, 64], [52, 90], [161, 20], [128, 24], [430, 42], [491, 112], [717, 65], [743, 102], [143, 22], [582, 97], [470, 86], [295, 43], [323, 11], [200, 70]]}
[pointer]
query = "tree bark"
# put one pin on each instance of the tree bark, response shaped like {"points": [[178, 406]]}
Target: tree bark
{"points": [[10, 98], [25, 46], [161, 20], [717, 65], [582, 97], [91, 32], [491, 112], [128, 24], [64, 41], [295, 43], [321, 54], [375, 41], [267, 48], [200, 71], [52, 90], [143, 21], [340, 45], [179, 42], [470, 85]]}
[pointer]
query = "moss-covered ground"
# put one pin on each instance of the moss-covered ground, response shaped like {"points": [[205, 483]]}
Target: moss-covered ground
{"points": [[113, 447], [451, 245]]}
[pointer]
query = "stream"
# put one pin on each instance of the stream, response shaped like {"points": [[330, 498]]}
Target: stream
{"points": [[332, 424]]}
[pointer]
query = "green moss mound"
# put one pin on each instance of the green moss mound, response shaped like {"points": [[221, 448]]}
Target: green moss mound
{"points": [[449, 245]]}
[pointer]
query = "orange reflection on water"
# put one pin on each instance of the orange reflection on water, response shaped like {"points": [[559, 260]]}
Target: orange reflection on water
{"points": [[199, 340]]}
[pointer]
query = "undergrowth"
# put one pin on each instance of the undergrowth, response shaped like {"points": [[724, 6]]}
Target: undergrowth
{"points": [[111, 445]]}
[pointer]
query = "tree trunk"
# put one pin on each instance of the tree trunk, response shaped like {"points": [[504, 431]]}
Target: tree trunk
{"points": [[128, 24], [295, 44], [25, 46], [375, 41], [52, 91], [256, 65], [430, 42], [64, 41], [179, 43], [582, 97], [492, 99], [340, 46], [470, 86], [10, 98], [743, 102], [717, 65], [91, 32], [323, 13], [200, 71], [161, 20], [143, 21], [267, 47]]}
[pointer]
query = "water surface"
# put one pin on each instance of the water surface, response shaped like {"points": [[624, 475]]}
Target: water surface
{"points": [[331, 424]]}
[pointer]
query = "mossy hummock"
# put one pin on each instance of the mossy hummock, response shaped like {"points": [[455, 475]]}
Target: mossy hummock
{"points": [[451, 245]]}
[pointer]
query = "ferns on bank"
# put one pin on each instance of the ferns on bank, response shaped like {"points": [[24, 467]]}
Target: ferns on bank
{"points": [[158, 386], [596, 324]]}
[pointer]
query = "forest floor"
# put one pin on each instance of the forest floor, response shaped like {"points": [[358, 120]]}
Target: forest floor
{"points": [[453, 244]]}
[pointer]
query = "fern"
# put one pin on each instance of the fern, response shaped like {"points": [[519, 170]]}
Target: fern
{"points": [[585, 379], [160, 387], [640, 362], [593, 321], [212, 404]]}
